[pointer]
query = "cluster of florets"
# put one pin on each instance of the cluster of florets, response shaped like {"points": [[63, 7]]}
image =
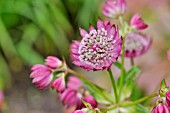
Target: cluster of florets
{"points": [[52, 74]]}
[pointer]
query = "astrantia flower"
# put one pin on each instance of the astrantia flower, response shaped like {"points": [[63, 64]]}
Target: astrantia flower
{"points": [[114, 8], [42, 76], [161, 108], [74, 93], [1, 99], [53, 62], [136, 44], [59, 83], [99, 48], [137, 23]]}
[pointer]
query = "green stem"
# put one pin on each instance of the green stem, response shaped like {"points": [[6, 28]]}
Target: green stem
{"points": [[132, 61], [122, 68], [90, 83], [113, 84], [138, 101]]}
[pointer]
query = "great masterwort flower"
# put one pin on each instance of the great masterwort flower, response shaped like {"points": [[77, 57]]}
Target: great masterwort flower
{"points": [[114, 8], [75, 93], [136, 44], [99, 48]]}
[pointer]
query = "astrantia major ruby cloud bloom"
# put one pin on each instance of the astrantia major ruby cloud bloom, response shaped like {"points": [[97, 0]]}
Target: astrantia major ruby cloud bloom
{"points": [[114, 8], [136, 44], [59, 83], [137, 23], [99, 48], [75, 93], [42, 76]]}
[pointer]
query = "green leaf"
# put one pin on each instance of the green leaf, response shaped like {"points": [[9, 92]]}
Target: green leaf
{"points": [[100, 94], [132, 73]]}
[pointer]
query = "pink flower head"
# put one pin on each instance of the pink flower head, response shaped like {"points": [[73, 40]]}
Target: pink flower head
{"points": [[42, 76], [168, 99], [136, 44], [53, 62], [79, 111], [1, 99], [161, 108], [59, 84], [74, 93], [168, 54], [90, 99], [114, 8], [137, 22], [99, 48]]}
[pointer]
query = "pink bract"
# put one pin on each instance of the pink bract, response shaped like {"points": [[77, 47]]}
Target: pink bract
{"points": [[137, 23], [168, 99], [90, 99], [161, 108], [114, 8], [79, 111], [53, 62], [58, 84], [136, 44], [42, 76], [99, 48]]}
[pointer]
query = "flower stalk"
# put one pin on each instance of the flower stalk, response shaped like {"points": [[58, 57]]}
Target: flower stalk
{"points": [[113, 84]]}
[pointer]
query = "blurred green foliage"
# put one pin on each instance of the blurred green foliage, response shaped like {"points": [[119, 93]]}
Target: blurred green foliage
{"points": [[32, 29]]}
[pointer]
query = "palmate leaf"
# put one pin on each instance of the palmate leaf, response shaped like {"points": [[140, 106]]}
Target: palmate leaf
{"points": [[101, 95]]}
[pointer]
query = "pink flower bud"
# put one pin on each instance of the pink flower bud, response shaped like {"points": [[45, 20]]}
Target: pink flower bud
{"points": [[168, 99], [59, 84], [72, 81], [42, 76], [1, 99], [53, 62], [79, 111], [137, 23], [90, 99], [161, 108], [168, 54], [114, 8]]}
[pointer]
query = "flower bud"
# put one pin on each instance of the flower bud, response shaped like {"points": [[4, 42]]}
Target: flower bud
{"points": [[59, 84], [42, 76], [137, 23], [90, 99], [161, 108], [53, 62], [114, 8]]}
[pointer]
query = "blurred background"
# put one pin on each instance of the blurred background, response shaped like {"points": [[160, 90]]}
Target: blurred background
{"points": [[30, 30]]}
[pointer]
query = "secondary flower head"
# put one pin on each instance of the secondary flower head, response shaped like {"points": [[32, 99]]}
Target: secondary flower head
{"points": [[59, 83], [75, 93], [137, 23], [53, 62], [1, 99], [114, 8], [161, 108], [42, 76], [136, 44], [99, 48]]}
